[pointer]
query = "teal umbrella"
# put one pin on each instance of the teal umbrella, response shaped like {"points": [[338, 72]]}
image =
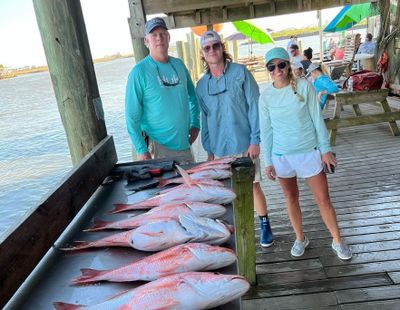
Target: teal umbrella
{"points": [[351, 15]]}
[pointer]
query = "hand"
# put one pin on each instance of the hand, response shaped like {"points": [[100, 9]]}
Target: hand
{"points": [[253, 151], [328, 159], [193, 133], [270, 173], [144, 156], [320, 94], [210, 157]]}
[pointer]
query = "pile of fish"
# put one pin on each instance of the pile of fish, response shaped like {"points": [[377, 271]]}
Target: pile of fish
{"points": [[183, 225]]}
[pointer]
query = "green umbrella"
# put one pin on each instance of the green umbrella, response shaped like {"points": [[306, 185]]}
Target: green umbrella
{"points": [[357, 13], [252, 32], [351, 15]]}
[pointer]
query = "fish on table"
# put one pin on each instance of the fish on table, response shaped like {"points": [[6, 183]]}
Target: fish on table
{"points": [[162, 213], [197, 192], [201, 176], [159, 236], [178, 259], [189, 290]]}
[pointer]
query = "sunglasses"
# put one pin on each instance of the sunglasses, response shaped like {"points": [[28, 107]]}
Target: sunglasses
{"points": [[282, 65], [214, 46], [166, 83]]}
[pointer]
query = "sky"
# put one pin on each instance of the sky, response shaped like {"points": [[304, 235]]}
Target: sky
{"points": [[107, 28]]}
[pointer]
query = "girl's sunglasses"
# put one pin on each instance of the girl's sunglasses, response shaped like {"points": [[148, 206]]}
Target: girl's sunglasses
{"points": [[282, 65], [214, 46]]}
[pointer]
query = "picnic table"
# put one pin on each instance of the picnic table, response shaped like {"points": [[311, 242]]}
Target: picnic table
{"points": [[355, 99]]}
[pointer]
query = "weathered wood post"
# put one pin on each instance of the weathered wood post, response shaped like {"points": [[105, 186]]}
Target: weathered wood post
{"points": [[235, 50], [137, 21], [68, 55], [243, 206]]}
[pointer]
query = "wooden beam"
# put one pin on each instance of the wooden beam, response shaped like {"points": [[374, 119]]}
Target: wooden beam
{"points": [[137, 21], [243, 209], [68, 55], [23, 248], [221, 11]]}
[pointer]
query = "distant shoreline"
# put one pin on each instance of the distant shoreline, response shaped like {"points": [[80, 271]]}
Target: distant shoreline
{"points": [[277, 35], [12, 73]]}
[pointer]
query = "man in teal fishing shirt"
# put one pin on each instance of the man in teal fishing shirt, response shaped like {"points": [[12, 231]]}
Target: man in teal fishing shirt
{"points": [[228, 97], [160, 101]]}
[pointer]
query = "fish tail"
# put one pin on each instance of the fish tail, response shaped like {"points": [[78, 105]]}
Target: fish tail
{"points": [[99, 225], [65, 306], [88, 276], [163, 182], [78, 245], [120, 207]]}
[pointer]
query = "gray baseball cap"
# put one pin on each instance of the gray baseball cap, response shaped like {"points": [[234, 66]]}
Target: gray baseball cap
{"points": [[154, 23], [312, 67]]}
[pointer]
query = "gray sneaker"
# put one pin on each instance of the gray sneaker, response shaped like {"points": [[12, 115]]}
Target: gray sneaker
{"points": [[342, 250], [299, 247]]}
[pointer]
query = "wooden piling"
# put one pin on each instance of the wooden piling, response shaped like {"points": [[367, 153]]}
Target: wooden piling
{"points": [[235, 51], [70, 63], [242, 184], [137, 21]]}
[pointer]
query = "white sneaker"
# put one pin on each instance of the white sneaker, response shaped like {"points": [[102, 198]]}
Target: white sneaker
{"points": [[342, 250], [299, 247]]}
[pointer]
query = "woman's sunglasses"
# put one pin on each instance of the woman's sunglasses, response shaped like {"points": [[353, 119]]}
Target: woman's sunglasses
{"points": [[214, 46], [282, 65]]}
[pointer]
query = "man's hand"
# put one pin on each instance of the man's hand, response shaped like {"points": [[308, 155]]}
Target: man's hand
{"points": [[144, 156], [320, 94], [193, 133], [253, 151], [210, 157], [270, 173]]}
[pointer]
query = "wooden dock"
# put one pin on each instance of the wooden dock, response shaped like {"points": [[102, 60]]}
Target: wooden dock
{"points": [[366, 194]]}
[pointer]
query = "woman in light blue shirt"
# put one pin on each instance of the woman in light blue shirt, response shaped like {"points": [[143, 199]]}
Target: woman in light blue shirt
{"points": [[293, 137]]}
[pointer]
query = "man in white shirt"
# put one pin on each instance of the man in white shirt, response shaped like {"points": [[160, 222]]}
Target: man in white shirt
{"points": [[368, 47]]}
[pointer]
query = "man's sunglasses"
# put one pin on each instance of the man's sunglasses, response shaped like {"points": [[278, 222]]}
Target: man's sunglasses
{"points": [[282, 65], [214, 46]]}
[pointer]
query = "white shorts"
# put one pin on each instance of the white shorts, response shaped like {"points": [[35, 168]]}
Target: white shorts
{"points": [[304, 165]]}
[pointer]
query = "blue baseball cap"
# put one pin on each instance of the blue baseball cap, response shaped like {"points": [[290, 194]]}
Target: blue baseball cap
{"points": [[154, 23], [276, 53]]}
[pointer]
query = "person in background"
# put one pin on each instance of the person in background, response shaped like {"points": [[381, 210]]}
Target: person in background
{"points": [[297, 69], [367, 47], [323, 85], [295, 53], [292, 40], [295, 144], [228, 97], [160, 101], [307, 56]]}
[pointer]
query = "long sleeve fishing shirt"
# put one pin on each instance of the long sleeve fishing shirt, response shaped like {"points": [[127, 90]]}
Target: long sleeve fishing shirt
{"points": [[323, 82], [229, 106], [289, 126], [160, 100]]}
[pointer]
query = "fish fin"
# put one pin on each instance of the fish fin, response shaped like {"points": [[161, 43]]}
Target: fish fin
{"points": [[98, 225], [88, 275], [65, 306], [186, 177]]}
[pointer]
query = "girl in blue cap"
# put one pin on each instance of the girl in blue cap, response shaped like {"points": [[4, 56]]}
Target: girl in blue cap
{"points": [[295, 143]]}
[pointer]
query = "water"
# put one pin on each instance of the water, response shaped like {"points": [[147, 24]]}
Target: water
{"points": [[34, 154]]}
